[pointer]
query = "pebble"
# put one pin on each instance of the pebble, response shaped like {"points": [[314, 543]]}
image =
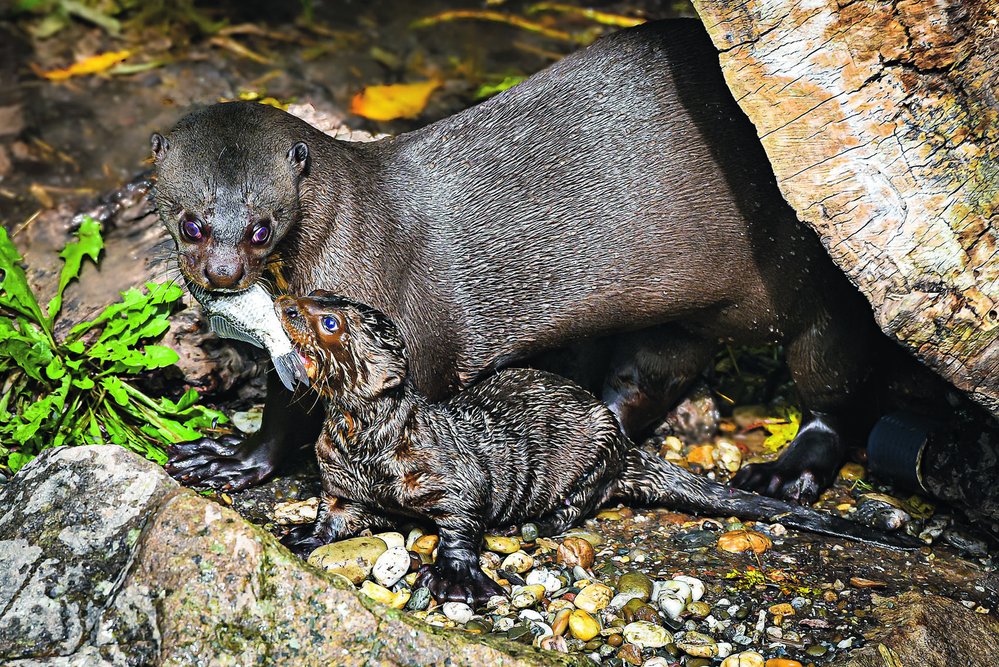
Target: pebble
{"points": [[529, 532], [635, 584], [353, 558], [575, 551], [782, 609], [816, 650], [696, 586], [299, 511], [657, 661], [419, 600], [744, 659], [377, 593], [391, 566], [698, 645], [782, 662], [582, 626], [392, 539], [593, 598], [738, 541], [631, 654], [698, 610], [677, 589], [425, 544], [728, 456], [594, 539], [647, 635], [561, 622], [459, 612], [518, 562], [501, 544], [527, 596], [671, 606]]}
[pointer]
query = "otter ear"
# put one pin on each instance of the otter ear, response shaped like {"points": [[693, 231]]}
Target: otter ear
{"points": [[160, 145], [384, 373], [298, 157]]}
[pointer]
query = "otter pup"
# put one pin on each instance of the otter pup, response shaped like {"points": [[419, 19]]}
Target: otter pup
{"points": [[619, 197], [520, 445]]}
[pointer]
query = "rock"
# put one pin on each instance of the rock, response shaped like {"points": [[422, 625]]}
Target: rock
{"points": [[744, 659], [459, 612], [635, 585], [518, 562], [594, 539], [728, 456], [392, 539], [698, 610], [647, 635], [299, 511], [425, 544], [527, 596], [703, 456], [108, 561], [382, 594], [353, 558], [737, 541], [529, 531], [420, 599], [631, 654], [593, 598], [672, 606], [696, 586], [575, 551], [582, 626], [502, 545], [391, 566], [546, 578], [782, 662], [930, 631], [677, 589], [698, 645]]}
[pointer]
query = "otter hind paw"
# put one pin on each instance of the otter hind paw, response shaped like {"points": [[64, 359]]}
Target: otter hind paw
{"points": [[451, 580]]}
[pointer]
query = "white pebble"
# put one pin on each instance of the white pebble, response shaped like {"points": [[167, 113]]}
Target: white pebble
{"points": [[696, 586], [544, 577], [531, 615], [391, 566], [392, 539], [459, 612], [671, 606], [678, 589], [518, 562]]}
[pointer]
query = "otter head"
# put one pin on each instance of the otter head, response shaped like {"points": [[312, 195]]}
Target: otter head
{"points": [[227, 189], [349, 349]]}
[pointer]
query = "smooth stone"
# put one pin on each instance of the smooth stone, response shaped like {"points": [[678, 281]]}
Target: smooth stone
{"points": [[782, 662], [698, 538], [698, 610], [296, 512], [738, 541], [543, 577], [501, 544], [816, 650], [676, 589], [744, 659], [583, 626], [527, 596], [392, 539], [696, 586], [377, 593], [631, 654], [575, 551], [647, 635], [459, 612], [593, 598], [353, 558], [531, 615], [518, 562], [529, 531], [561, 622], [671, 606], [419, 600], [391, 566], [594, 539], [425, 544], [698, 645], [519, 632], [656, 661], [635, 584], [479, 626]]}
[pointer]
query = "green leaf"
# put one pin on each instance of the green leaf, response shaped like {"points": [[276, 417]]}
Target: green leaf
{"points": [[54, 370], [160, 356], [88, 244], [17, 460], [15, 293], [116, 388]]}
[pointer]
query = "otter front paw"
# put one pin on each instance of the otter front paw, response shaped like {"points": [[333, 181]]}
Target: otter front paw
{"points": [[458, 579], [303, 540], [228, 463]]}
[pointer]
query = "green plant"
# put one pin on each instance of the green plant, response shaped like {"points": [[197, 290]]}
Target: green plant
{"points": [[80, 389]]}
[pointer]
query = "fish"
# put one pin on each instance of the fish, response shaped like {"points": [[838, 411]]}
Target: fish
{"points": [[249, 316]]}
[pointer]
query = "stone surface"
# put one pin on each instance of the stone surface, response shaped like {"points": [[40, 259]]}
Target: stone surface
{"points": [[930, 631], [111, 562]]}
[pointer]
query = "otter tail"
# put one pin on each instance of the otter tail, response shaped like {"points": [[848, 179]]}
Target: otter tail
{"points": [[650, 480]]}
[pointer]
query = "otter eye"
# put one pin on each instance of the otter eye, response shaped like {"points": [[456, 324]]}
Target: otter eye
{"points": [[191, 230], [260, 234], [331, 324]]}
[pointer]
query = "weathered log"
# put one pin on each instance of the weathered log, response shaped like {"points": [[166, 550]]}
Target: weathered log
{"points": [[881, 120]]}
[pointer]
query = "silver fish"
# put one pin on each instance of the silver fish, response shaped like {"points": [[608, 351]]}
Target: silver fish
{"points": [[249, 316]]}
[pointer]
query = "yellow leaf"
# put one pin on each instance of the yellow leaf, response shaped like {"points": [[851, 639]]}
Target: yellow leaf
{"points": [[402, 100], [782, 430], [91, 65]]}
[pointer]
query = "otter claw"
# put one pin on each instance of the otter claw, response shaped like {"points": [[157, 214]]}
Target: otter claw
{"points": [[224, 464], [452, 580]]}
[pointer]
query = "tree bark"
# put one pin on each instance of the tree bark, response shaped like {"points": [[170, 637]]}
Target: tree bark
{"points": [[881, 121]]}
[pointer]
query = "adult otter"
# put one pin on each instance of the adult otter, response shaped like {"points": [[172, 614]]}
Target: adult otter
{"points": [[521, 445], [620, 194]]}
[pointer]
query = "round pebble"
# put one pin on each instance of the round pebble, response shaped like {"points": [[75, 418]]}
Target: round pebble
{"points": [[575, 551], [593, 598], [583, 626], [696, 586], [544, 577], [698, 645], [391, 566], [420, 599], [459, 612], [647, 635], [529, 532], [635, 584], [631, 654], [782, 662], [352, 558], [527, 596], [518, 562], [698, 610], [392, 539], [737, 541], [425, 544], [744, 659], [502, 545]]}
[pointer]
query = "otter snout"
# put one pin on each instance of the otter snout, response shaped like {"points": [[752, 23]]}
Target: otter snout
{"points": [[224, 275]]}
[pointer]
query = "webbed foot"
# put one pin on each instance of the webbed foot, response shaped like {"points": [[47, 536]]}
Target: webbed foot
{"points": [[228, 463], [302, 540], [458, 578]]}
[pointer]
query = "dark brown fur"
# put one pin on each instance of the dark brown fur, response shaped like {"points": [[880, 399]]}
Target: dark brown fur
{"points": [[619, 198], [521, 445]]}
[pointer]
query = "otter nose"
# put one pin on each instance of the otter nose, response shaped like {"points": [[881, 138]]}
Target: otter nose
{"points": [[224, 275]]}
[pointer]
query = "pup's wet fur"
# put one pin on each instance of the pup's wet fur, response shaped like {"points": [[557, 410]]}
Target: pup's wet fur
{"points": [[521, 445]]}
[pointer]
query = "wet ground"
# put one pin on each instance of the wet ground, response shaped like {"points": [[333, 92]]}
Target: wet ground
{"points": [[67, 142]]}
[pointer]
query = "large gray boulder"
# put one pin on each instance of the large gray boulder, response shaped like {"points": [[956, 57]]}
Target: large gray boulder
{"points": [[107, 561]]}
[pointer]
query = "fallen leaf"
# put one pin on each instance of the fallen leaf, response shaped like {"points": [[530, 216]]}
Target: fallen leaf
{"points": [[92, 65], [401, 100]]}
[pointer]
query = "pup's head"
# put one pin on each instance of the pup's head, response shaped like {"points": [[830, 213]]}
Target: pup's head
{"points": [[228, 179], [348, 349]]}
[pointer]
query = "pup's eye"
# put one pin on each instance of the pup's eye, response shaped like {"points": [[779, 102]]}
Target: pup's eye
{"points": [[191, 230], [331, 324], [260, 234]]}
